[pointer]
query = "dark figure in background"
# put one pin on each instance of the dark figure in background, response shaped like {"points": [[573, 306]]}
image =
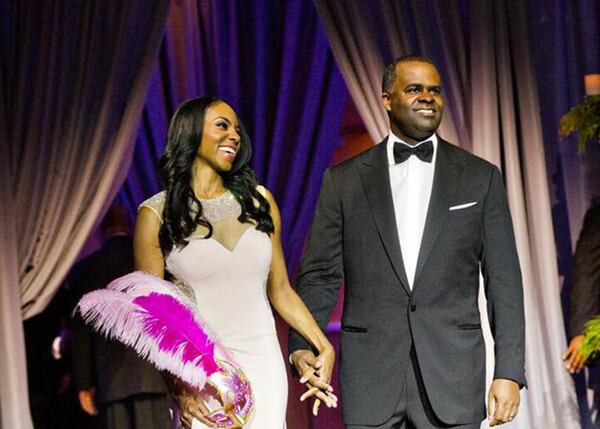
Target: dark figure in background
{"points": [[408, 235], [585, 289], [113, 382], [51, 397], [584, 298]]}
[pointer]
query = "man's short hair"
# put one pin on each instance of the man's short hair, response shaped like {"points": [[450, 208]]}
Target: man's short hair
{"points": [[389, 73]]}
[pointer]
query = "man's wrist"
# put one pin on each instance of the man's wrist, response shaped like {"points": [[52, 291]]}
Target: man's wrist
{"points": [[516, 383]]}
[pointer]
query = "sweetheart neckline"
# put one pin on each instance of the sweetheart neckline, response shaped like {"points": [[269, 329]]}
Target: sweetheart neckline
{"points": [[230, 251]]}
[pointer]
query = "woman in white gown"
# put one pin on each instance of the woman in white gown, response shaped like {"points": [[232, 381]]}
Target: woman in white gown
{"points": [[216, 234]]}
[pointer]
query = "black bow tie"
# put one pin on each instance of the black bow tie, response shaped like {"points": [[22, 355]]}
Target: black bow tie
{"points": [[424, 151]]}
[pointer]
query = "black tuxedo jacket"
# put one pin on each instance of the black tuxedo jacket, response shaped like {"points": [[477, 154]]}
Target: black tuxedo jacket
{"points": [[354, 239]]}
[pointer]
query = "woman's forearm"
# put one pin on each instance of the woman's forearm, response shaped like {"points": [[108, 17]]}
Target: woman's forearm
{"points": [[294, 312]]}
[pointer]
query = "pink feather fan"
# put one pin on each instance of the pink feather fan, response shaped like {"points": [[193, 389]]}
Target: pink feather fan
{"points": [[159, 322]]}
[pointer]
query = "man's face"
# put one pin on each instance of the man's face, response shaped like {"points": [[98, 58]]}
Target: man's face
{"points": [[415, 104]]}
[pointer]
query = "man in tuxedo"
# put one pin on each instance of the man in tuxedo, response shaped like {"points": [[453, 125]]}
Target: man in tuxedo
{"points": [[407, 225], [123, 390]]}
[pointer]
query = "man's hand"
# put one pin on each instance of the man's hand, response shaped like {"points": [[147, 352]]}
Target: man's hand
{"points": [[315, 373], [574, 360], [87, 401], [503, 401]]}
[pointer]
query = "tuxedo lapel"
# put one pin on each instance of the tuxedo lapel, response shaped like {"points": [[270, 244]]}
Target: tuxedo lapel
{"points": [[448, 168], [374, 176]]}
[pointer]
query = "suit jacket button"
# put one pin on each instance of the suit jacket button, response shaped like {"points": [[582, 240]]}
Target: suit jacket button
{"points": [[413, 307]]}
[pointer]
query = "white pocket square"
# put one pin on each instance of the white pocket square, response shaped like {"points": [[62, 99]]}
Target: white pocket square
{"points": [[463, 206]]}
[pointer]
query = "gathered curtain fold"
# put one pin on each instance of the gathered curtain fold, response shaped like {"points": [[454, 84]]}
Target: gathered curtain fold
{"points": [[74, 78], [481, 49]]}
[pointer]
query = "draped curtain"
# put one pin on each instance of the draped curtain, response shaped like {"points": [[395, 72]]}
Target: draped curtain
{"points": [[482, 52], [74, 78]]}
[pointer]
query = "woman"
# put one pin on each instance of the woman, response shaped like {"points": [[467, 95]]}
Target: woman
{"points": [[216, 233]]}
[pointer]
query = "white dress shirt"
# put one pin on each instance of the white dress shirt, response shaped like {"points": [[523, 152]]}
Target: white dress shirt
{"points": [[411, 183]]}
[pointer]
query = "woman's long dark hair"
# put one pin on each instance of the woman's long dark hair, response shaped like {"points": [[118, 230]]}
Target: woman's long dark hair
{"points": [[183, 211]]}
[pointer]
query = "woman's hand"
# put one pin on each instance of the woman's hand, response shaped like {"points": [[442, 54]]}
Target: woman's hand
{"points": [[315, 374], [188, 401], [191, 407]]}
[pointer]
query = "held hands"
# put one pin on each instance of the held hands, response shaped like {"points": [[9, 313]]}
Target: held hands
{"points": [[315, 374], [503, 401], [574, 360]]}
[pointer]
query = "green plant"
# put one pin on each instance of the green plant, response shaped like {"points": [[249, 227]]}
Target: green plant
{"points": [[591, 339], [583, 119]]}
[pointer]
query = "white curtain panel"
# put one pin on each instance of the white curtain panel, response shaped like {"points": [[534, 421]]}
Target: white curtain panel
{"points": [[491, 110], [75, 87], [14, 402], [507, 131]]}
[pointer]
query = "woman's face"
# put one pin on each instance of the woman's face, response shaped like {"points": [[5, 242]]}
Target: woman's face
{"points": [[220, 137]]}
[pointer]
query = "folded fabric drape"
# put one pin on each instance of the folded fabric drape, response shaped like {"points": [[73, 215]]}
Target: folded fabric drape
{"points": [[74, 78]]}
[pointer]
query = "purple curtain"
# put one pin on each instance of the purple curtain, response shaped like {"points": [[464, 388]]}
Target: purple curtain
{"points": [[272, 62]]}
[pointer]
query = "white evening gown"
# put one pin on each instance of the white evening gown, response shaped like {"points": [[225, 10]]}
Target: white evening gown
{"points": [[228, 275]]}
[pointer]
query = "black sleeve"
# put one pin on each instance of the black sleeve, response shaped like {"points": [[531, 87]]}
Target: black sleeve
{"points": [[503, 284], [321, 273]]}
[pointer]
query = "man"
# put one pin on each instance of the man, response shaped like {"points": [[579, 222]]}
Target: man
{"points": [[585, 291], [113, 382], [407, 225], [585, 302]]}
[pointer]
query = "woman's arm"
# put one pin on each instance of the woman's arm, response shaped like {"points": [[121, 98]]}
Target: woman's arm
{"points": [[294, 312], [148, 255], [149, 258]]}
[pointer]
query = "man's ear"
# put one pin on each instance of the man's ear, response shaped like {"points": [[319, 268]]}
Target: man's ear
{"points": [[386, 101]]}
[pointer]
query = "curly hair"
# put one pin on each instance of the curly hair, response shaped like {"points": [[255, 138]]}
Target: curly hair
{"points": [[183, 210]]}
